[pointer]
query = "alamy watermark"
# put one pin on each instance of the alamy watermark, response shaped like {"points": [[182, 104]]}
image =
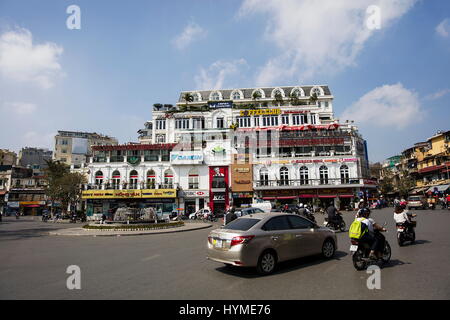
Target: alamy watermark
{"points": [[74, 20], [374, 281], [73, 282]]}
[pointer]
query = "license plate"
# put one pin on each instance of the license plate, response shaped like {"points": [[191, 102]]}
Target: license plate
{"points": [[400, 230], [353, 248], [217, 243]]}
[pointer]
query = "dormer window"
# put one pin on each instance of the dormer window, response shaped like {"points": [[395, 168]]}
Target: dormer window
{"points": [[215, 96]]}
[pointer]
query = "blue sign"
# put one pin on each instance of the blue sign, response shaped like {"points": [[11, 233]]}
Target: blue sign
{"points": [[220, 104]]}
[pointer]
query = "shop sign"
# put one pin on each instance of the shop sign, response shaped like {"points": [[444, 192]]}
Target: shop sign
{"points": [[129, 194], [219, 197], [183, 157], [26, 203], [13, 204], [196, 194], [220, 105], [134, 160], [259, 112]]}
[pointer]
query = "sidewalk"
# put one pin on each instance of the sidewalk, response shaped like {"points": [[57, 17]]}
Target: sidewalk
{"points": [[109, 233]]}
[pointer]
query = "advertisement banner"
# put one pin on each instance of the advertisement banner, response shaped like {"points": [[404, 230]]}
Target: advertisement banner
{"points": [[186, 157], [220, 105], [241, 177], [129, 194]]}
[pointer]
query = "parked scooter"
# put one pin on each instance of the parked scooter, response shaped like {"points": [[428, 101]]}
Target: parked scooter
{"points": [[73, 218], [338, 224], [361, 251], [17, 215]]}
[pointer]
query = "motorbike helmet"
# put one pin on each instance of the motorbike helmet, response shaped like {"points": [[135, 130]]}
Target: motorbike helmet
{"points": [[364, 212], [300, 205]]}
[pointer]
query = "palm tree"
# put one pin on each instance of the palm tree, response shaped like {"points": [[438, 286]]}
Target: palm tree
{"points": [[278, 98], [256, 95], [188, 97], [313, 98]]}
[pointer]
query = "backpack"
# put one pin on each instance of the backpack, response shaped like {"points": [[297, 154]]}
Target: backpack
{"points": [[357, 229]]}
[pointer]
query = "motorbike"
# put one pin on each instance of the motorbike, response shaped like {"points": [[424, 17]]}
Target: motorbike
{"points": [[73, 218], [339, 224], [209, 216], [310, 216], [17, 215], [406, 233], [360, 254], [45, 217]]}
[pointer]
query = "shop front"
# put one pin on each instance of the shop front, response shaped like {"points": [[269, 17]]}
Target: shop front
{"points": [[242, 182], [99, 202], [193, 200], [219, 190]]}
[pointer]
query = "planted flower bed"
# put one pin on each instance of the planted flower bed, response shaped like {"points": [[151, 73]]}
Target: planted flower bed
{"points": [[135, 227]]}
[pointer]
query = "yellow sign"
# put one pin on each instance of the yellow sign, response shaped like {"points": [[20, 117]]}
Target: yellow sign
{"points": [[129, 194], [260, 112]]}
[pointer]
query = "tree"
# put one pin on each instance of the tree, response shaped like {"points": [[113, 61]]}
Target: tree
{"points": [[188, 97], [405, 183], [313, 98], [386, 183], [278, 98], [62, 185], [256, 96]]}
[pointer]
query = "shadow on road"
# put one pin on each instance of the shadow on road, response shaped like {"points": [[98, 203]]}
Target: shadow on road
{"points": [[394, 263], [26, 233], [282, 267]]}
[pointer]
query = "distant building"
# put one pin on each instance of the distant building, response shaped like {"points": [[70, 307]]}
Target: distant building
{"points": [[34, 158], [7, 158], [73, 147]]}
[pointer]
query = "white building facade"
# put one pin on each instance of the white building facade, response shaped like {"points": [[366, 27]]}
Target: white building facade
{"points": [[228, 147]]}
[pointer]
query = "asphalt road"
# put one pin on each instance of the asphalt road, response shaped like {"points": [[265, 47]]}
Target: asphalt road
{"points": [[174, 266]]}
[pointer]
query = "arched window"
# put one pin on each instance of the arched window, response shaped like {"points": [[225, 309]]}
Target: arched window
{"points": [[297, 92], [317, 90], [197, 96], [304, 175], [215, 96], [345, 177], [98, 178], [258, 93], [115, 179], [133, 180], [264, 176], [151, 179], [277, 91], [236, 95], [323, 173], [193, 179], [168, 179], [284, 176]]}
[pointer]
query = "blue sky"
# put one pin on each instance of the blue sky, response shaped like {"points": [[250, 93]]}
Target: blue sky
{"points": [[128, 55]]}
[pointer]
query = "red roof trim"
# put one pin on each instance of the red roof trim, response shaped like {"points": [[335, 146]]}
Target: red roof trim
{"points": [[163, 146]]}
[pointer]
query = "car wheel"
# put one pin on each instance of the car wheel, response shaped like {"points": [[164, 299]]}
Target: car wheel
{"points": [[328, 249], [266, 263]]}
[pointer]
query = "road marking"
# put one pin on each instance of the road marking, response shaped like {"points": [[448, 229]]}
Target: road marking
{"points": [[152, 257]]}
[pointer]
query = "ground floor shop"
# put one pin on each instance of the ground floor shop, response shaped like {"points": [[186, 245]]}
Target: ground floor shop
{"points": [[341, 198], [242, 199], [191, 201], [99, 202]]}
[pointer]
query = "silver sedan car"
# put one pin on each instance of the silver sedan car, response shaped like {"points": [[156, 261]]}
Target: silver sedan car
{"points": [[262, 240]]}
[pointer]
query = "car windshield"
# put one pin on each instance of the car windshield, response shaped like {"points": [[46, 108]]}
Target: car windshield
{"points": [[242, 224], [414, 199]]}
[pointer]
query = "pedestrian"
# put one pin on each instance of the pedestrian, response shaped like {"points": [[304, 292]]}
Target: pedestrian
{"points": [[103, 218]]}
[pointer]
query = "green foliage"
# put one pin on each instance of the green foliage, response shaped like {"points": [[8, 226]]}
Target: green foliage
{"points": [[62, 185], [135, 227]]}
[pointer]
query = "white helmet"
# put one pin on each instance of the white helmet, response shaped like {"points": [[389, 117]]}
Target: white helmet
{"points": [[300, 205]]}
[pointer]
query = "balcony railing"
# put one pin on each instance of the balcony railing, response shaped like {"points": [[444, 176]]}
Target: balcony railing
{"points": [[129, 186], [306, 182]]}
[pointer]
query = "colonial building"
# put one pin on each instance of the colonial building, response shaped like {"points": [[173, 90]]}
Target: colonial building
{"points": [[230, 147]]}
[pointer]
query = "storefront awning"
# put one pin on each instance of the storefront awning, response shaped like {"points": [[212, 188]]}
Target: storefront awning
{"points": [[346, 196], [441, 188]]}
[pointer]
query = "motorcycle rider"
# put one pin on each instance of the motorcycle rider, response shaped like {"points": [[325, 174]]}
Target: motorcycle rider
{"points": [[332, 214], [402, 216], [375, 239]]}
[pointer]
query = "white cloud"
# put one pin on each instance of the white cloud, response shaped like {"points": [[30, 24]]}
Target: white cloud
{"points": [[316, 37], [387, 106], [23, 61], [443, 28], [18, 108], [190, 33], [437, 95], [215, 76]]}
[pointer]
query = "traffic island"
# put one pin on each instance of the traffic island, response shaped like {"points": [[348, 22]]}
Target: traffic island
{"points": [[130, 230]]}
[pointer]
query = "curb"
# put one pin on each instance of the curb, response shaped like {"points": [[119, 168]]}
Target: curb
{"points": [[121, 234]]}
